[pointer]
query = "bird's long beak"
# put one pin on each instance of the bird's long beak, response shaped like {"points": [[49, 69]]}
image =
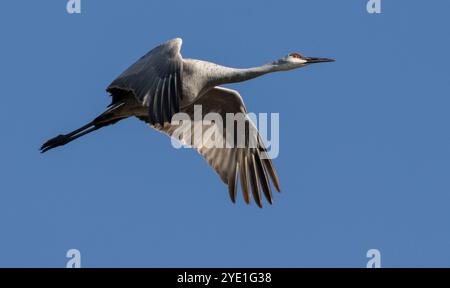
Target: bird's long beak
{"points": [[318, 60]]}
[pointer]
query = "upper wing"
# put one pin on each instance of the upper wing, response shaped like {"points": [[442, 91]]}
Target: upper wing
{"points": [[155, 80], [248, 161]]}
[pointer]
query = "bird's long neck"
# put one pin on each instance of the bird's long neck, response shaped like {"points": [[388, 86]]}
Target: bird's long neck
{"points": [[224, 75]]}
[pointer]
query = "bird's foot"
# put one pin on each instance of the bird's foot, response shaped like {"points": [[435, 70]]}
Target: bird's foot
{"points": [[54, 142]]}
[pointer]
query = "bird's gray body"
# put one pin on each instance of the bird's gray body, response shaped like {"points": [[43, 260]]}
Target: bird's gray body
{"points": [[161, 84], [197, 79]]}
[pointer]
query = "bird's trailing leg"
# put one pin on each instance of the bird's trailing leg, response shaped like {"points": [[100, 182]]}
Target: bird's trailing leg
{"points": [[61, 140], [107, 118]]}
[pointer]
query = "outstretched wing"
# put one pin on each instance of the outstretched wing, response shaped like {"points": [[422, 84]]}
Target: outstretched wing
{"points": [[246, 160], [155, 80]]}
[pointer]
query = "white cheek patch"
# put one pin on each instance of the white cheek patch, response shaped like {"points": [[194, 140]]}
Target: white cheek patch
{"points": [[296, 60]]}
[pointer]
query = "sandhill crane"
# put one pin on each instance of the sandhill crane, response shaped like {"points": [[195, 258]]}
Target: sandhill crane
{"points": [[162, 83]]}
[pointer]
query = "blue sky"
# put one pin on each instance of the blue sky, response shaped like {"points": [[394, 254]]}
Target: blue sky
{"points": [[364, 144]]}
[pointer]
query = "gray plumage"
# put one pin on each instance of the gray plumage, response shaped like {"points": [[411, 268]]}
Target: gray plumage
{"points": [[155, 80], [161, 84]]}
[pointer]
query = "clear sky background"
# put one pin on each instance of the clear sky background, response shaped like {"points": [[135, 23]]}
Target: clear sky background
{"points": [[364, 142]]}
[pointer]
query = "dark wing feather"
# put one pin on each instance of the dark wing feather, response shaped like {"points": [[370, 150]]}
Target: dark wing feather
{"points": [[248, 164], [150, 81]]}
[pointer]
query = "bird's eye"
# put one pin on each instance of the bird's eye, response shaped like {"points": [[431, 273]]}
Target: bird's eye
{"points": [[296, 55]]}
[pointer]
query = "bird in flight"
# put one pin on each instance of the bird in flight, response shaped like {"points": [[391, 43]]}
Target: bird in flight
{"points": [[162, 83]]}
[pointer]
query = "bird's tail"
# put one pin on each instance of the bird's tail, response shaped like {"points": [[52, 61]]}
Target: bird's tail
{"points": [[108, 117]]}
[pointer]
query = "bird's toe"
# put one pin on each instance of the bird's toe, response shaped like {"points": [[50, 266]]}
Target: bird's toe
{"points": [[54, 142]]}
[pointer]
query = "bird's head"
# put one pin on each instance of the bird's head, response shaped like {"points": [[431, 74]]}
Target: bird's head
{"points": [[297, 60]]}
